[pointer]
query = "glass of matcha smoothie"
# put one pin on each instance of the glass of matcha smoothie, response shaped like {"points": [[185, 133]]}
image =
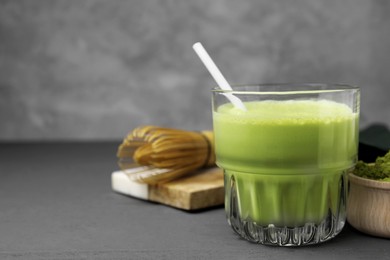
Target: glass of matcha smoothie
{"points": [[286, 158]]}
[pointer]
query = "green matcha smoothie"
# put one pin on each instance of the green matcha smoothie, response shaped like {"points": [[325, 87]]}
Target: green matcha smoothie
{"points": [[286, 160]]}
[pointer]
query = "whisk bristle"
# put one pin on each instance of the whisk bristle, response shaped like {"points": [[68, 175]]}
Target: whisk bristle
{"points": [[168, 153]]}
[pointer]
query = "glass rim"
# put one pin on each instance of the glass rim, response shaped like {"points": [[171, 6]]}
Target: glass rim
{"points": [[287, 88]]}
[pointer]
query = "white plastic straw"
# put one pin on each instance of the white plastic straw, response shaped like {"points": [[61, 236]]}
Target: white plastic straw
{"points": [[217, 75]]}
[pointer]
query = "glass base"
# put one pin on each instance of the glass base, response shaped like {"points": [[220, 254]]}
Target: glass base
{"points": [[307, 234], [281, 211]]}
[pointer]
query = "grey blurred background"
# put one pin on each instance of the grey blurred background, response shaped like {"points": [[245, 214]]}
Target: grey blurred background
{"points": [[95, 69]]}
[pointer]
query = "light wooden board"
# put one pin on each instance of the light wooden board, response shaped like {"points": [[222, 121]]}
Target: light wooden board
{"points": [[200, 190]]}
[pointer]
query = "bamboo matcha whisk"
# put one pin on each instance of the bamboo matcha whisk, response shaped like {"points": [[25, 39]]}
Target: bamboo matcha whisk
{"points": [[152, 154]]}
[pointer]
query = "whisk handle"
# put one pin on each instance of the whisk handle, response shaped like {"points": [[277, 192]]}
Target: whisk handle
{"points": [[209, 136]]}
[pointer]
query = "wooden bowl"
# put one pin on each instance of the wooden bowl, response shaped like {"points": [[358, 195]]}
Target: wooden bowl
{"points": [[368, 207]]}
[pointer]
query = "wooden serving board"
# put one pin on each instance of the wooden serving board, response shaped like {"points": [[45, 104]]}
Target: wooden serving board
{"points": [[200, 190]]}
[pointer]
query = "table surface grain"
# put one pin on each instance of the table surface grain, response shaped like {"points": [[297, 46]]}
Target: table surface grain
{"points": [[56, 202]]}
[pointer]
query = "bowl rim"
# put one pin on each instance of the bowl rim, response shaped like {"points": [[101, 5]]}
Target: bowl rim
{"points": [[384, 185]]}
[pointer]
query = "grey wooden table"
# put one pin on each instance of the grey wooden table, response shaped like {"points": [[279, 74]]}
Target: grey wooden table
{"points": [[56, 203]]}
